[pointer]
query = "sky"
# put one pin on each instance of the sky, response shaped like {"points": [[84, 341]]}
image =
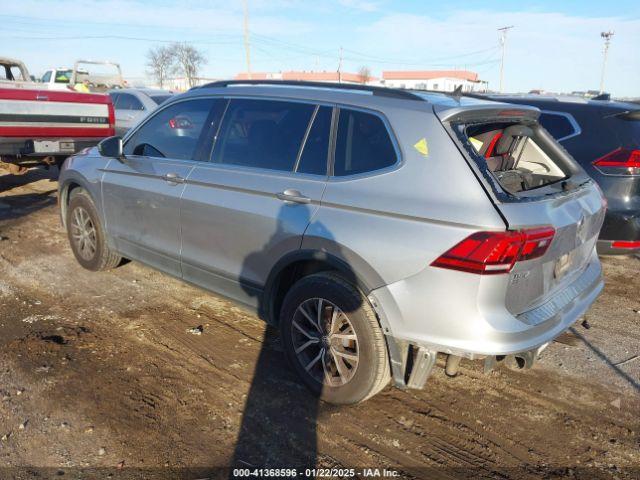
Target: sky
{"points": [[554, 45]]}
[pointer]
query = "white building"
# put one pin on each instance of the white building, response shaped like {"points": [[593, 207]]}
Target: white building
{"points": [[443, 80], [310, 76]]}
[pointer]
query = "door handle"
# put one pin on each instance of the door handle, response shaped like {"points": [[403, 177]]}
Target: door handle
{"points": [[294, 196], [173, 178]]}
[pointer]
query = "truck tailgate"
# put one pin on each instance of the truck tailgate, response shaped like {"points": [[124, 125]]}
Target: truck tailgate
{"points": [[29, 113]]}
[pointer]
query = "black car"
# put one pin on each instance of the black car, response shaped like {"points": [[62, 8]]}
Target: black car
{"points": [[604, 137]]}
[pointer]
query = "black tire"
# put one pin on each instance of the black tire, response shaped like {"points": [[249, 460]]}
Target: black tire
{"points": [[372, 372], [101, 257]]}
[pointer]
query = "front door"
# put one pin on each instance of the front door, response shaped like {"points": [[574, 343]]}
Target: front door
{"points": [[251, 205], [142, 192]]}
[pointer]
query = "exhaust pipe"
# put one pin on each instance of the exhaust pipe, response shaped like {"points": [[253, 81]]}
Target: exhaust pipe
{"points": [[451, 368]]}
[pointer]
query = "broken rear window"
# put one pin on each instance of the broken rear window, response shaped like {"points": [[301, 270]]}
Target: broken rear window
{"points": [[514, 155]]}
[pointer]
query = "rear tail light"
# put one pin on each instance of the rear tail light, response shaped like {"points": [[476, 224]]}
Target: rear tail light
{"points": [[488, 253], [625, 244], [621, 158]]}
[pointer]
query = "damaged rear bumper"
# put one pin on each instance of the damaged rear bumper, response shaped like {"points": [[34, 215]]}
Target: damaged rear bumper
{"points": [[413, 359]]}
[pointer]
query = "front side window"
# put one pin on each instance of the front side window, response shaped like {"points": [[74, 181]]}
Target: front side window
{"points": [[175, 131], [128, 102], [559, 126], [362, 144], [46, 77], [262, 133]]}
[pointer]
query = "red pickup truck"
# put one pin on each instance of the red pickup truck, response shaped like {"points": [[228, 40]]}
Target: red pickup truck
{"points": [[41, 126]]}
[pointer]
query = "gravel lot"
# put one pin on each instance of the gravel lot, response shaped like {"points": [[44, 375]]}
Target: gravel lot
{"points": [[99, 376]]}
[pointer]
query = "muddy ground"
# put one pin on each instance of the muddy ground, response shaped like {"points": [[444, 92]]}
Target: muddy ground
{"points": [[99, 377]]}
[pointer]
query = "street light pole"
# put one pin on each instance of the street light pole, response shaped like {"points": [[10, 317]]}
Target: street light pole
{"points": [[607, 41], [503, 41]]}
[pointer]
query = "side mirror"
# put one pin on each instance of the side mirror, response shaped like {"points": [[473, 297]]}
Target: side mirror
{"points": [[111, 147]]}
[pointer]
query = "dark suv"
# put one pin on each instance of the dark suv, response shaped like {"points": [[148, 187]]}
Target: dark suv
{"points": [[604, 137]]}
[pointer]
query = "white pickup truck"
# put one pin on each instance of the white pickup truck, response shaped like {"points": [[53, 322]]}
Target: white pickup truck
{"points": [[102, 76], [39, 125]]}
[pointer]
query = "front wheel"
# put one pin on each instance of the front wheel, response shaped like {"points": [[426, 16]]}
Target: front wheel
{"points": [[333, 340], [86, 234]]}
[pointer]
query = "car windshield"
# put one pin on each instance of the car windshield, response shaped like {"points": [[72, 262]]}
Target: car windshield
{"points": [[158, 99], [63, 76]]}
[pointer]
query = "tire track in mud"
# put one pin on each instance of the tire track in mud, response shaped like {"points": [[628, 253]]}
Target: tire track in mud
{"points": [[172, 395]]}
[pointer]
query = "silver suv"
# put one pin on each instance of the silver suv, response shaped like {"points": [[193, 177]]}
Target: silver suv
{"points": [[375, 227]]}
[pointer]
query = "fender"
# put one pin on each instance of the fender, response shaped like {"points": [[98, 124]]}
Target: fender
{"points": [[366, 283], [86, 176]]}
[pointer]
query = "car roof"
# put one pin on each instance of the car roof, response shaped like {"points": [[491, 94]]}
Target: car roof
{"points": [[146, 91], [351, 94]]}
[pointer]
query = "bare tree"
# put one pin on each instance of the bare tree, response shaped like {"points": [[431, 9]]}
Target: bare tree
{"points": [[161, 61], [365, 74], [188, 60]]}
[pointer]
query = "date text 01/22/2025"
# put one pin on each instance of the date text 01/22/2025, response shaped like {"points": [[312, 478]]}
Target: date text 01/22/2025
{"points": [[315, 472]]}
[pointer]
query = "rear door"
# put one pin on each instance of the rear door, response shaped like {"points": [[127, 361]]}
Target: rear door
{"points": [[141, 193], [252, 203], [533, 183]]}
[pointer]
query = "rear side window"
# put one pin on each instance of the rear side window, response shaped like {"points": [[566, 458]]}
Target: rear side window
{"points": [[559, 126], [175, 131], [262, 134], [313, 158], [159, 99], [128, 102], [46, 77], [114, 99], [362, 144]]}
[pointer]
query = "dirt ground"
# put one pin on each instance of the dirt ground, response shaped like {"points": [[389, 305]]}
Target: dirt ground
{"points": [[100, 378]]}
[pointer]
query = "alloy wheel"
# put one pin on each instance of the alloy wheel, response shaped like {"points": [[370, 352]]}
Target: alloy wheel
{"points": [[83, 233], [325, 342]]}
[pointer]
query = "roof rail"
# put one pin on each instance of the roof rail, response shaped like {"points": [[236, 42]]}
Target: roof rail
{"points": [[379, 91]]}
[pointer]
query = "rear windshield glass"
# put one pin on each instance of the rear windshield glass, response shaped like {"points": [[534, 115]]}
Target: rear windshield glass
{"points": [[514, 154], [158, 99], [626, 127]]}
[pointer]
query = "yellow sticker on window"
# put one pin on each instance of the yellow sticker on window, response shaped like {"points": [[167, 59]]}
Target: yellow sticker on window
{"points": [[422, 147]]}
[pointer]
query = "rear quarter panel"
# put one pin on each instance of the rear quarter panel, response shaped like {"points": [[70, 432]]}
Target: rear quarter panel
{"points": [[392, 224]]}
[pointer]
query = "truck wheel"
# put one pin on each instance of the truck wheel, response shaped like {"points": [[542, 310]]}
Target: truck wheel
{"points": [[333, 340], [86, 234]]}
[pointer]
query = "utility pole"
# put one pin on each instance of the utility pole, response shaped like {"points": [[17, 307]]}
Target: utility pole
{"points": [[247, 46], [503, 41], [607, 41], [340, 67]]}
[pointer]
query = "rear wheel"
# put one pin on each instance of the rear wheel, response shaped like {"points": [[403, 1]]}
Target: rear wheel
{"points": [[86, 234], [332, 338]]}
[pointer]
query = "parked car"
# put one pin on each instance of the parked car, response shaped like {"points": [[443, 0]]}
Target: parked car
{"points": [[132, 104], [41, 126], [604, 137], [376, 227]]}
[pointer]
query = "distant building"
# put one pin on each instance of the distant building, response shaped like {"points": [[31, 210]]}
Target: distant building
{"points": [[330, 77], [181, 84], [443, 80]]}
